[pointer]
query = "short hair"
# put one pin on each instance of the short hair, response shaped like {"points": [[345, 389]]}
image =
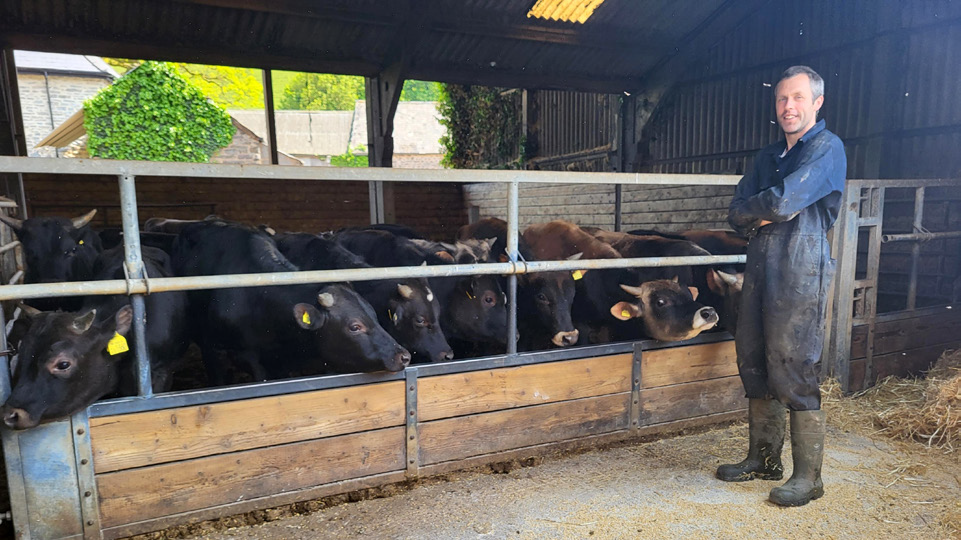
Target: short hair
{"points": [[817, 83]]}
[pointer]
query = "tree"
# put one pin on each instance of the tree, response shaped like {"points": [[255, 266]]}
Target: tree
{"points": [[350, 158], [152, 113], [322, 92], [420, 91], [229, 87]]}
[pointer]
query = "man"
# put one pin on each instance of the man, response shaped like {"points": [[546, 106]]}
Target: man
{"points": [[786, 205]]}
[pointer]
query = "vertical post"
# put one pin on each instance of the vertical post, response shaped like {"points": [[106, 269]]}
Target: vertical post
{"points": [[636, 407], [916, 248], [271, 122], [133, 263], [413, 445], [513, 193], [12, 139], [618, 204], [382, 96], [846, 235]]}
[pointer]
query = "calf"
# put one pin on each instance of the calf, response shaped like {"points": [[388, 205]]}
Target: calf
{"points": [[544, 299], [667, 311], [407, 308], [57, 249], [277, 331], [68, 360]]}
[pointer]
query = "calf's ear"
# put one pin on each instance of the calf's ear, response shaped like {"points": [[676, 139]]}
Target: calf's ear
{"points": [[124, 319], [82, 323], [625, 311], [308, 317]]}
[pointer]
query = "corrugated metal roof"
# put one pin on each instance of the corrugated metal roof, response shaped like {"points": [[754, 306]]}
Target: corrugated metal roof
{"points": [[490, 42]]}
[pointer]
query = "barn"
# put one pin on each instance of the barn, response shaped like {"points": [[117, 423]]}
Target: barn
{"points": [[633, 115]]}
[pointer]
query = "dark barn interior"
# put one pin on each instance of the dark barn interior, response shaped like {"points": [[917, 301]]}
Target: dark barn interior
{"points": [[647, 86]]}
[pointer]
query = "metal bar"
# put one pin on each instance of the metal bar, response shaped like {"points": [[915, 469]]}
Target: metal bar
{"points": [[133, 264], [382, 174], [271, 120], [226, 281], [915, 249], [7, 247], [919, 237], [190, 398], [86, 481], [618, 207], [413, 444], [5, 386], [513, 198], [636, 408]]}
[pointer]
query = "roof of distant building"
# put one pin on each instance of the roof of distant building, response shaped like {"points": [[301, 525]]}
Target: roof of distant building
{"points": [[68, 64], [417, 127]]}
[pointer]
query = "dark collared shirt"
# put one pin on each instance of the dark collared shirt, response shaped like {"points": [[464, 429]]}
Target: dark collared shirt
{"points": [[805, 183]]}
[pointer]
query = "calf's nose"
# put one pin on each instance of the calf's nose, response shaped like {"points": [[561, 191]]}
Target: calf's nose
{"points": [[706, 316], [13, 417], [445, 356], [402, 357]]}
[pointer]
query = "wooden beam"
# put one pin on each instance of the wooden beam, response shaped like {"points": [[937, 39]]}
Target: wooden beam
{"points": [[271, 120], [12, 139]]}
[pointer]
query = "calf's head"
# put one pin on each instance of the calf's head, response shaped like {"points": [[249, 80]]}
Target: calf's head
{"points": [[413, 318], [477, 311], [64, 365], [546, 299], [347, 333], [668, 311]]}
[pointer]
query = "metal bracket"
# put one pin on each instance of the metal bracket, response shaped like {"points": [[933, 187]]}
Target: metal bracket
{"points": [[87, 482], [413, 446], [636, 407]]}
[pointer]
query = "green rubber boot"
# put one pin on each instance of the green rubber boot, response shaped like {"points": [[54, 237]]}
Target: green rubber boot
{"points": [[766, 420], [807, 445]]}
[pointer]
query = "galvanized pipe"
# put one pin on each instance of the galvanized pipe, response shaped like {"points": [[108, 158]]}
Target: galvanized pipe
{"points": [[919, 237], [192, 283], [101, 167], [5, 387], [133, 264], [915, 249], [513, 204]]}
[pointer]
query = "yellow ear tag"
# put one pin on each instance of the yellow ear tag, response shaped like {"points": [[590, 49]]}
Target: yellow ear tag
{"points": [[625, 313], [468, 295], [81, 242], [305, 318], [577, 275], [117, 345], [392, 316]]}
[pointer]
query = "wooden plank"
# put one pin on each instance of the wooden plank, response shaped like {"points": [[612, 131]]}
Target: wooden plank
{"points": [[172, 488], [484, 391], [686, 364], [669, 403], [149, 438], [466, 436], [905, 334], [910, 362]]}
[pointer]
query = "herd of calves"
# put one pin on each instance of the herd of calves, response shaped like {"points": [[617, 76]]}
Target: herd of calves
{"points": [[72, 351]]}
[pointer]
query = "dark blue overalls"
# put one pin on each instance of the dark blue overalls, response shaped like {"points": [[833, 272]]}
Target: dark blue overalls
{"points": [[780, 330]]}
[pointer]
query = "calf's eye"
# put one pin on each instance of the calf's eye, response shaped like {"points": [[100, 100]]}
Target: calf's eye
{"points": [[62, 365]]}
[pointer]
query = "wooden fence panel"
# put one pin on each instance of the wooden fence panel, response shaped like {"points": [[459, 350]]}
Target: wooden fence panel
{"points": [[172, 488], [484, 391], [686, 364], [150, 438], [680, 401]]}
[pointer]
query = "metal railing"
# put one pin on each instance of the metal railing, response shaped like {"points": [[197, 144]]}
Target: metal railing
{"points": [[137, 284]]}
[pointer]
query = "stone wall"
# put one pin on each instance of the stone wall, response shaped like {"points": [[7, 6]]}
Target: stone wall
{"points": [[244, 148], [67, 94]]}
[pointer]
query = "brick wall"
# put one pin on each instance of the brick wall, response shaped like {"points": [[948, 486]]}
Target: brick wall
{"points": [[67, 94], [417, 161]]}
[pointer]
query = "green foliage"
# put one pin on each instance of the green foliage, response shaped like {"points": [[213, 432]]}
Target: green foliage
{"points": [[229, 87], [122, 65], [350, 158], [420, 91], [153, 114], [483, 127], [322, 92]]}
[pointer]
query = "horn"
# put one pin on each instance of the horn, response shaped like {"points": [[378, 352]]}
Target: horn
{"points": [[405, 291], [575, 256], [82, 323], [28, 311], [326, 299], [633, 291], [728, 278], [84, 219], [12, 222]]}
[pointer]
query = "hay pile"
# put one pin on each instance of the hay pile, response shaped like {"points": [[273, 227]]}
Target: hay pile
{"points": [[926, 410]]}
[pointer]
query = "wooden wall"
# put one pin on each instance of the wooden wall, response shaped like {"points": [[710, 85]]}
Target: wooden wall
{"points": [[286, 205], [159, 468]]}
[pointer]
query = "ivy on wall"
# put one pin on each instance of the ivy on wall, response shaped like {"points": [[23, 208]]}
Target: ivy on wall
{"points": [[483, 127], [152, 113]]}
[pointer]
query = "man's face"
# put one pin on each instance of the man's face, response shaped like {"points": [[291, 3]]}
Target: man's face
{"points": [[796, 107]]}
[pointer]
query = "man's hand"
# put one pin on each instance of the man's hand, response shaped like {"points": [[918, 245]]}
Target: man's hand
{"points": [[763, 223]]}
